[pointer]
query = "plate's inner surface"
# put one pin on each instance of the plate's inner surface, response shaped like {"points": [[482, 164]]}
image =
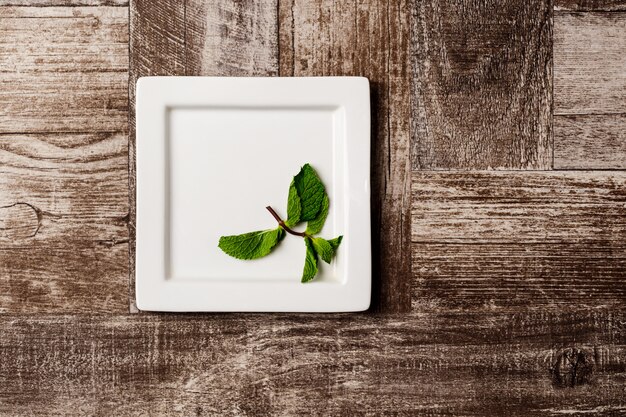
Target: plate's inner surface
{"points": [[225, 165]]}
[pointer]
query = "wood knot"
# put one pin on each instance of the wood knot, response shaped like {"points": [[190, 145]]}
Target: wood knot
{"points": [[572, 367], [19, 221]]}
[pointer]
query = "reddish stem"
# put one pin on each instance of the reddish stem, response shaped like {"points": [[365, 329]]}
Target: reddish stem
{"points": [[282, 223]]}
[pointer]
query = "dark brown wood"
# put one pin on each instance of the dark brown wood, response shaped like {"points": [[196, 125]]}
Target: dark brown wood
{"points": [[506, 241], [590, 141], [368, 38], [63, 159], [333, 365], [519, 276], [482, 85], [590, 5]]}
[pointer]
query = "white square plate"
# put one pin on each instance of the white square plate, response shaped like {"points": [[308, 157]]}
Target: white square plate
{"points": [[212, 153]]}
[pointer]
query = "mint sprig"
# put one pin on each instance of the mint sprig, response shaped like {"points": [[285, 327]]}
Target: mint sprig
{"points": [[251, 245], [307, 202]]}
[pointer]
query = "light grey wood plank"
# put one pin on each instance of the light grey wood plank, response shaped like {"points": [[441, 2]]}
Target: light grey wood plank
{"points": [[589, 90], [590, 141], [63, 213], [231, 38], [64, 69], [65, 3], [514, 277], [63, 159], [589, 62], [590, 5], [537, 207]]}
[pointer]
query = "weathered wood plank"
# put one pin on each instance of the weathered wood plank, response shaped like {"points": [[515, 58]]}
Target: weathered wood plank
{"points": [[157, 47], [537, 207], [367, 38], [63, 213], [68, 276], [590, 5], [591, 141], [63, 159], [157, 40], [339, 365], [482, 85], [519, 276], [18, 221], [519, 241], [65, 3], [196, 37], [589, 90], [589, 62], [231, 38], [64, 69]]}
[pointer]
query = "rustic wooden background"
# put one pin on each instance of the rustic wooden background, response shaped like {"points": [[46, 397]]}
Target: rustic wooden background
{"points": [[499, 205]]}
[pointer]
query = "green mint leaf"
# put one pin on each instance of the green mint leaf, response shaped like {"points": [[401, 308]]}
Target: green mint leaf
{"points": [[251, 245], [323, 249], [335, 242], [315, 226], [310, 261], [311, 192], [307, 202], [326, 249], [294, 206]]}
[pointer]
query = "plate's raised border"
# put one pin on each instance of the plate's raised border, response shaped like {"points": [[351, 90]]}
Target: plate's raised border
{"points": [[154, 291]]}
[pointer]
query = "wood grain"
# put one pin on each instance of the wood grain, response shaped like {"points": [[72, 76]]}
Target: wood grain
{"points": [[341, 365], [63, 159], [589, 62], [537, 207], [519, 241], [594, 141], [367, 38], [519, 276], [157, 47], [65, 3], [65, 69], [231, 38], [517, 289], [589, 90], [590, 5], [53, 275], [481, 85], [64, 206], [19, 221]]}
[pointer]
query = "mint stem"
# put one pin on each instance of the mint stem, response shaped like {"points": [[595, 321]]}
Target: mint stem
{"points": [[282, 223]]}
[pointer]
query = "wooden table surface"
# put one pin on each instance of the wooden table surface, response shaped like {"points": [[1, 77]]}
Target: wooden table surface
{"points": [[499, 206]]}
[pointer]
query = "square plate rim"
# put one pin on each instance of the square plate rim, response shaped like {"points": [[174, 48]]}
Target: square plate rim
{"points": [[158, 93]]}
